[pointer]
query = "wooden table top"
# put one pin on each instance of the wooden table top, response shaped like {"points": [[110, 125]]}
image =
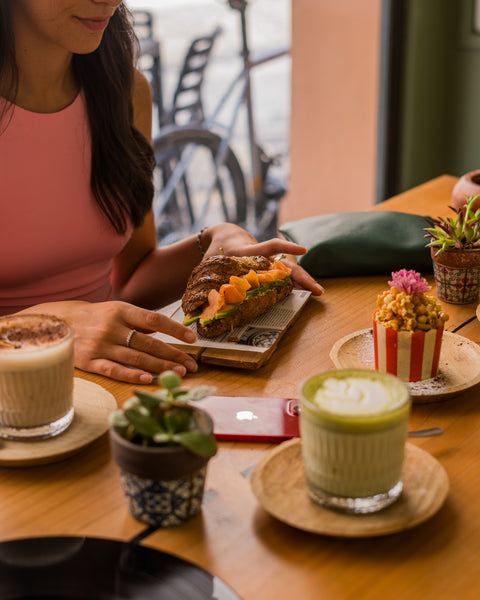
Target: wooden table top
{"points": [[234, 537]]}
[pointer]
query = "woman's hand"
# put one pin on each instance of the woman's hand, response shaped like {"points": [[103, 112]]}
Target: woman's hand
{"points": [[302, 280], [232, 240], [103, 329]]}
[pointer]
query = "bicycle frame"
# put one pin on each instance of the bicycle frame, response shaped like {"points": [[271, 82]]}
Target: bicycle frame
{"points": [[243, 79], [241, 84]]}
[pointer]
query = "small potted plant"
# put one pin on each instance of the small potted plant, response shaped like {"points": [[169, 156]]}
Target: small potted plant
{"points": [[455, 249], [162, 443]]}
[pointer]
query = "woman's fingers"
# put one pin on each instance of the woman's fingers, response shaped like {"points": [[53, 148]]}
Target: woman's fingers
{"points": [[149, 321], [136, 366], [151, 354], [114, 370], [269, 248], [303, 280], [235, 241], [147, 354], [113, 339]]}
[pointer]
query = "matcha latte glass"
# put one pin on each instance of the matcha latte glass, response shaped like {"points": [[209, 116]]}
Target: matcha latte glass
{"points": [[353, 427]]}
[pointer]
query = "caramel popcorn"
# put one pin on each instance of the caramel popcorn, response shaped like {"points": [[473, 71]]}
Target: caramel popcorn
{"points": [[406, 306]]}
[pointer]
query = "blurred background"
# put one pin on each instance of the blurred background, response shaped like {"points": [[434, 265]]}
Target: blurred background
{"points": [[376, 97], [178, 22], [268, 25]]}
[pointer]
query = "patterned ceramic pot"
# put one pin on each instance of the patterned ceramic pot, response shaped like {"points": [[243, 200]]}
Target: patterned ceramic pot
{"points": [[457, 275], [163, 486]]}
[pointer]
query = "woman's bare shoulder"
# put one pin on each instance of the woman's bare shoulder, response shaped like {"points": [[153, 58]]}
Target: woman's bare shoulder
{"points": [[142, 104], [141, 86]]}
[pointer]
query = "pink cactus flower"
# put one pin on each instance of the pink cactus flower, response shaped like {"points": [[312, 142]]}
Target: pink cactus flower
{"points": [[409, 282]]}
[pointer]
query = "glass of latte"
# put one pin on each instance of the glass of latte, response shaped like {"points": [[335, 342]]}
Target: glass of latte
{"points": [[36, 376], [353, 427]]}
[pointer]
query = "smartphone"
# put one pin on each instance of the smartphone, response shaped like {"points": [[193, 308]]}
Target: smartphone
{"points": [[252, 419]]}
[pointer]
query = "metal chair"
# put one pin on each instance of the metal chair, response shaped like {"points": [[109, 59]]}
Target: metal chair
{"points": [[187, 105], [150, 59]]}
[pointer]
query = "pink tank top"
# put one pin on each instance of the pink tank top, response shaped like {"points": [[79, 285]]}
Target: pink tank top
{"points": [[55, 242]]}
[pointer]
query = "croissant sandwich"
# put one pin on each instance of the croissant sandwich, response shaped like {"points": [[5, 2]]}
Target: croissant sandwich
{"points": [[224, 292]]}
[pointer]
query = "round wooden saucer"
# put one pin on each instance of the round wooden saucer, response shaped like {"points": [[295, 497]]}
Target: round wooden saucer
{"points": [[458, 370], [278, 482], [92, 405]]}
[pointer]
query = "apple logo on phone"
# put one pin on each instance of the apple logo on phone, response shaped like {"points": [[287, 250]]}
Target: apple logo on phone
{"points": [[245, 415]]}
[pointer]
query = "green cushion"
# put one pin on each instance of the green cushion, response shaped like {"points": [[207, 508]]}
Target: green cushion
{"points": [[361, 243]]}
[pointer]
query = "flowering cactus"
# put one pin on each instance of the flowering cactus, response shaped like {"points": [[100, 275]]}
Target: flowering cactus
{"points": [[409, 282]]}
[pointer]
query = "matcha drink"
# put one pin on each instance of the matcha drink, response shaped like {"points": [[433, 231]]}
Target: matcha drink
{"points": [[353, 428], [36, 376]]}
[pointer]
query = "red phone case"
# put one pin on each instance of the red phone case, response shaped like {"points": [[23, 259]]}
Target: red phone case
{"points": [[252, 419]]}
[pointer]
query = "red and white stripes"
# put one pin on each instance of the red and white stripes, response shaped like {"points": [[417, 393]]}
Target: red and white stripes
{"points": [[410, 356]]}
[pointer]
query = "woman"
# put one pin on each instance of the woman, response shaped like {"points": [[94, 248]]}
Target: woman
{"points": [[76, 190]]}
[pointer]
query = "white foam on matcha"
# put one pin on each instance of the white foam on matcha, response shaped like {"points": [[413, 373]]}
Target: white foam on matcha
{"points": [[355, 396]]}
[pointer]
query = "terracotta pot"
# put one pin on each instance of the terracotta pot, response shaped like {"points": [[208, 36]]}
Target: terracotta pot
{"points": [[164, 485], [467, 185], [457, 275]]}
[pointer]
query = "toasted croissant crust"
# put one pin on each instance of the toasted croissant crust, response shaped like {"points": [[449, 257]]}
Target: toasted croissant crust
{"points": [[213, 272]]}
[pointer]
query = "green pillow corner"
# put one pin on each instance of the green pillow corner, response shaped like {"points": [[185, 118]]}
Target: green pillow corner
{"points": [[361, 243]]}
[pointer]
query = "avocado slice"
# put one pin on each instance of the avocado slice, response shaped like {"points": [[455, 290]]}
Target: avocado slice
{"points": [[267, 286], [191, 318], [224, 313]]}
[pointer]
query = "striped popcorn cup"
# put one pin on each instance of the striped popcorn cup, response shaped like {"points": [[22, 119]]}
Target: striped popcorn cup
{"points": [[411, 356]]}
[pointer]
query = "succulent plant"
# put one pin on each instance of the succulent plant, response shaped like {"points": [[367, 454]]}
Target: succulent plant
{"points": [[459, 232], [165, 417]]}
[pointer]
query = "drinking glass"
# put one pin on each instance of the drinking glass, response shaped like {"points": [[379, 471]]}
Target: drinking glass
{"points": [[353, 426], [36, 376]]}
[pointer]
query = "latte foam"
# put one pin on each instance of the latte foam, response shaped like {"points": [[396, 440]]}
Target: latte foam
{"points": [[28, 332], [36, 375]]}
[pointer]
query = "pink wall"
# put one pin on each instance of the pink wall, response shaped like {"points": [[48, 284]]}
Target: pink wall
{"points": [[335, 60]]}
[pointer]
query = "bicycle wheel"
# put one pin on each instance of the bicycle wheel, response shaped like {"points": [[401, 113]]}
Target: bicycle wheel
{"points": [[197, 183]]}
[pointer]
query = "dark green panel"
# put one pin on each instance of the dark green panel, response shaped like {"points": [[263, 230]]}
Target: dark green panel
{"points": [[440, 92], [427, 99]]}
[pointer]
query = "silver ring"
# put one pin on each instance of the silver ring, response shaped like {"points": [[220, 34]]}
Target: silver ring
{"points": [[130, 336]]}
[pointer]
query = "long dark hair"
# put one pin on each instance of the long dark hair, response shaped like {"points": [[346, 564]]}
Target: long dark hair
{"points": [[122, 159]]}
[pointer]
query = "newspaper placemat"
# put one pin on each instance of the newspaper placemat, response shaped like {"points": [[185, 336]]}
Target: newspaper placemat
{"points": [[246, 347]]}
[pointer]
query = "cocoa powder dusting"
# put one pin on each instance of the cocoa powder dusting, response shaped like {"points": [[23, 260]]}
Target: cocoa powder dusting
{"points": [[35, 330]]}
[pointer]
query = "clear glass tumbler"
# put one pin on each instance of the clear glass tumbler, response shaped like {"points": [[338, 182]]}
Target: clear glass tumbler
{"points": [[354, 425], [36, 376]]}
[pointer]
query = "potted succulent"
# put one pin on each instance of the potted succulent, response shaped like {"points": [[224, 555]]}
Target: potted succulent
{"points": [[455, 249], [162, 443]]}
